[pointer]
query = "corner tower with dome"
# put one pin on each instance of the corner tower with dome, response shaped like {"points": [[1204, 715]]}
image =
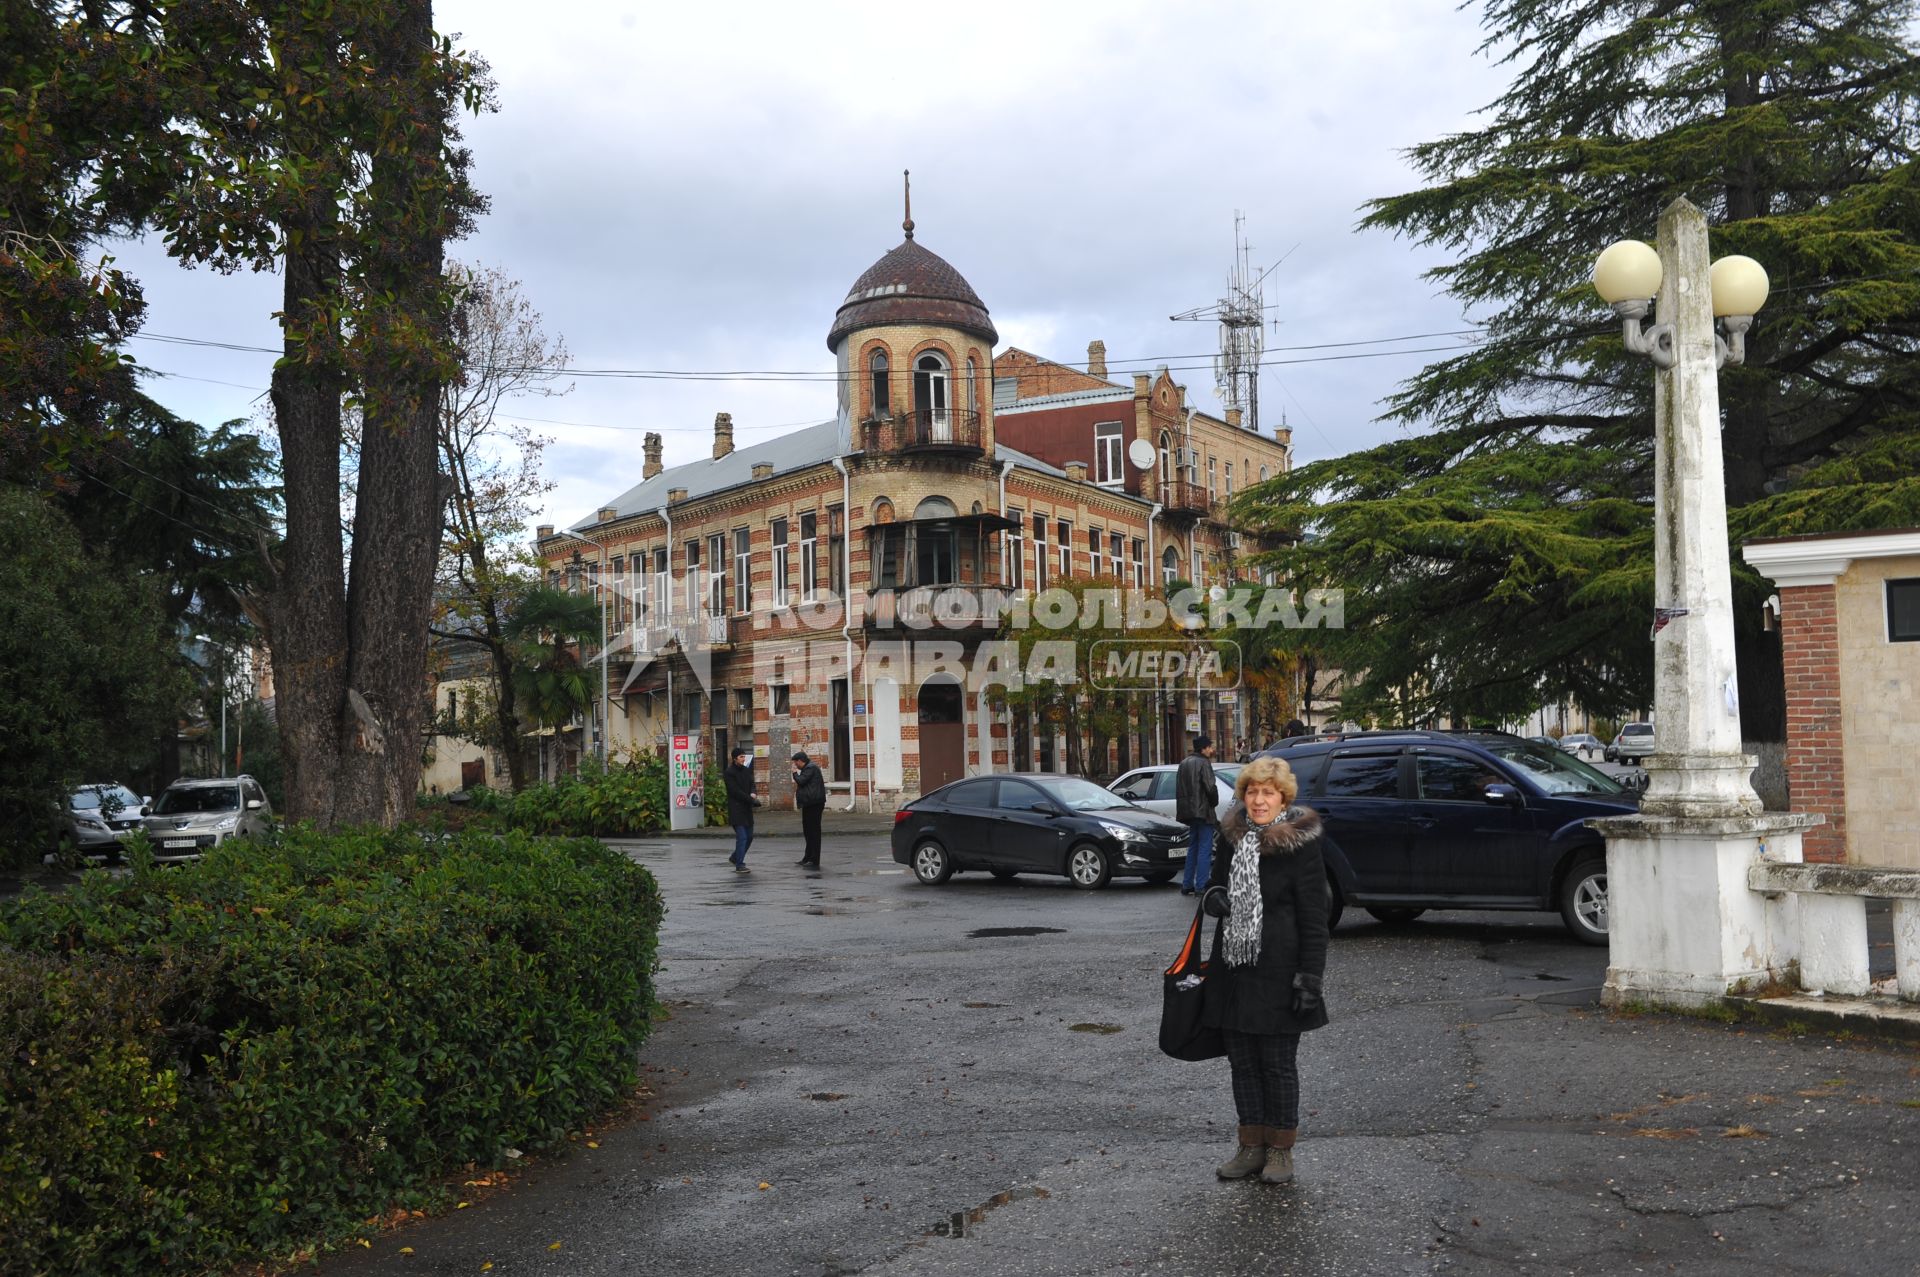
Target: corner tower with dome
{"points": [[794, 592]]}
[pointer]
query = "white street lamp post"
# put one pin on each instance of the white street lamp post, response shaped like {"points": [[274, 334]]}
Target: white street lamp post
{"points": [[1698, 769], [1684, 929]]}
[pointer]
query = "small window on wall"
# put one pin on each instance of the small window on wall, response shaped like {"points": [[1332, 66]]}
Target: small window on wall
{"points": [[1903, 610], [782, 702], [877, 366], [1107, 468]]}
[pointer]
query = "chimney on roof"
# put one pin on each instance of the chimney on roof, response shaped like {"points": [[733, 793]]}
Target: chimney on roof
{"points": [[722, 434], [675, 495], [1097, 359], [763, 469], [1285, 435], [651, 444], [1233, 418], [1141, 385], [544, 531], [1077, 471], [608, 514]]}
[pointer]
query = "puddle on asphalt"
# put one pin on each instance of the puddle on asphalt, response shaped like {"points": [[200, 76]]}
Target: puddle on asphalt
{"points": [[982, 1006], [1094, 1028], [958, 1223], [996, 933], [826, 1095], [726, 902], [1544, 975]]}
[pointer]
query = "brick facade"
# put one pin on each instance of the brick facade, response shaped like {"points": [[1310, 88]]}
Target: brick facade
{"points": [[1816, 755]]}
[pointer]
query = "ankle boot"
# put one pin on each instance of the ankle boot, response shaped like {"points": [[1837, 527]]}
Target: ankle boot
{"points": [[1249, 1157], [1279, 1167]]}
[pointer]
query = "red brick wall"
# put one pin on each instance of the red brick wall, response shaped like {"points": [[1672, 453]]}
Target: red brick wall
{"points": [[1816, 775]]}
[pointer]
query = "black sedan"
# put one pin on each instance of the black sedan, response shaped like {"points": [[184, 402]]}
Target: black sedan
{"points": [[1035, 823]]}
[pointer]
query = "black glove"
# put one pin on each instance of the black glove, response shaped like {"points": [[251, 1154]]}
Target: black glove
{"points": [[1216, 903], [1306, 994]]}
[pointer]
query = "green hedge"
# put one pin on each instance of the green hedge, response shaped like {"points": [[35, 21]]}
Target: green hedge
{"points": [[254, 1054], [620, 801]]}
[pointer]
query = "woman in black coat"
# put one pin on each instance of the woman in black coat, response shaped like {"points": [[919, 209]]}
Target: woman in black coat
{"points": [[1269, 885]]}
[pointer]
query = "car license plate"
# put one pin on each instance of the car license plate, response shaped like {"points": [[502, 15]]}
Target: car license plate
{"points": [[172, 844]]}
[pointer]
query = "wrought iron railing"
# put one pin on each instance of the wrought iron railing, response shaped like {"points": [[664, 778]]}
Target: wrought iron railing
{"points": [[925, 428]]}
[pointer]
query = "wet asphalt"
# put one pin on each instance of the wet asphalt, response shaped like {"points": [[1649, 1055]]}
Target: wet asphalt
{"points": [[863, 1075]]}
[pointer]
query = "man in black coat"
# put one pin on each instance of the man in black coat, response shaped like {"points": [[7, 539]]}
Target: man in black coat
{"points": [[810, 796], [1196, 798], [741, 801]]}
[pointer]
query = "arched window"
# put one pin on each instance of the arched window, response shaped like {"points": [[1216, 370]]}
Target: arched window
{"points": [[935, 508], [1166, 459], [973, 385], [1169, 567], [1263, 474], [882, 401], [932, 421]]}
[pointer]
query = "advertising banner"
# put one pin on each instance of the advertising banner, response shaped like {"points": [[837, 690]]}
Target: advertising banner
{"points": [[685, 782]]}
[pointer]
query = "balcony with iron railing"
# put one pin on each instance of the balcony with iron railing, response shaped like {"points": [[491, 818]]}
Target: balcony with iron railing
{"points": [[1185, 498], [925, 430], [934, 609]]}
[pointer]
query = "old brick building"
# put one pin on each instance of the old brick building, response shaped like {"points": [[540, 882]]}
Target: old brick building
{"points": [[819, 590]]}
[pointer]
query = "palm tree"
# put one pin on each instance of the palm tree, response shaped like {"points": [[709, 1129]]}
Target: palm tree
{"points": [[551, 684]]}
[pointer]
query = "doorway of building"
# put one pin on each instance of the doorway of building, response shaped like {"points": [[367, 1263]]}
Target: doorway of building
{"points": [[943, 735], [841, 749]]}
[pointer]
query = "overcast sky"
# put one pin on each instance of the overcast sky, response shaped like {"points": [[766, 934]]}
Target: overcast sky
{"points": [[694, 187]]}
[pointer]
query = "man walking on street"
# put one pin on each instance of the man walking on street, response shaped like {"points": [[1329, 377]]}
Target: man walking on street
{"points": [[810, 796], [741, 801], [1196, 798]]}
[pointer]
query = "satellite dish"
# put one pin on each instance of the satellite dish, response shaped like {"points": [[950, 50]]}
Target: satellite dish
{"points": [[1140, 452]]}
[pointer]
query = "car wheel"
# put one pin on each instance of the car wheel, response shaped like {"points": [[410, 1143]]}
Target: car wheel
{"points": [[1336, 903], [1004, 875], [931, 864], [1394, 917], [1162, 879], [1087, 867], [1583, 901]]}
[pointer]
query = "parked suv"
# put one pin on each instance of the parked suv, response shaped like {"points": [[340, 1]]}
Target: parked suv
{"points": [[98, 818], [1633, 745], [193, 815], [1419, 820]]}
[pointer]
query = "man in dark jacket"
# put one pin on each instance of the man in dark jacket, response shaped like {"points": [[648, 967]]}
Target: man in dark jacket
{"points": [[741, 801], [810, 796], [1196, 796]]}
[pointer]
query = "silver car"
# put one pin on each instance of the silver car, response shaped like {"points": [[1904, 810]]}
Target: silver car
{"points": [[193, 815], [1152, 787], [98, 818]]}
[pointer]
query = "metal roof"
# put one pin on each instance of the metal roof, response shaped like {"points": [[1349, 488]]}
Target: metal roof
{"points": [[1097, 394], [911, 285], [810, 445]]}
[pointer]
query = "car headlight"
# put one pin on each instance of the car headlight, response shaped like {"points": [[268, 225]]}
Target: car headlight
{"points": [[90, 822], [225, 823], [1125, 833]]}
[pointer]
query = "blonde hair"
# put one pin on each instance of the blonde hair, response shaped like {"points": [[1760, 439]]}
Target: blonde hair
{"points": [[1267, 771]]}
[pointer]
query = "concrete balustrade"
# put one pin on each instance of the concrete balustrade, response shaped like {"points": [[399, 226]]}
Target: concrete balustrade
{"points": [[1831, 908]]}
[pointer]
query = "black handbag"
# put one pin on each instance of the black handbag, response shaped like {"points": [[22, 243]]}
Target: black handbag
{"points": [[1182, 997]]}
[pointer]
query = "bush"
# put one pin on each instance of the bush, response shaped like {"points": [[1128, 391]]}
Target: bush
{"points": [[244, 1057], [714, 791], [622, 801]]}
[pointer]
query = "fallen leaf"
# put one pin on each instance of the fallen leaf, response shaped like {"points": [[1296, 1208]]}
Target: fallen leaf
{"points": [[461, 1206], [406, 1250], [484, 1267], [764, 1186], [555, 1246], [591, 1144]]}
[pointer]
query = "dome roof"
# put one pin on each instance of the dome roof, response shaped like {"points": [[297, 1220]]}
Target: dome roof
{"points": [[911, 285]]}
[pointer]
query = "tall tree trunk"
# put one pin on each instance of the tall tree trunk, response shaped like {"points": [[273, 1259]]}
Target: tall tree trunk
{"points": [[398, 507], [306, 612]]}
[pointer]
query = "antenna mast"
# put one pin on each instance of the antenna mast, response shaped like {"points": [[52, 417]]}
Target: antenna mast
{"points": [[1242, 317]]}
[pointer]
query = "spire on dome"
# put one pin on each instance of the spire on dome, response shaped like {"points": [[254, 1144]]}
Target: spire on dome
{"points": [[906, 177]]}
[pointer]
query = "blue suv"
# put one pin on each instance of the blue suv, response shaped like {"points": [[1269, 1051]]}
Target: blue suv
{"points": [[1420, 820]]}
